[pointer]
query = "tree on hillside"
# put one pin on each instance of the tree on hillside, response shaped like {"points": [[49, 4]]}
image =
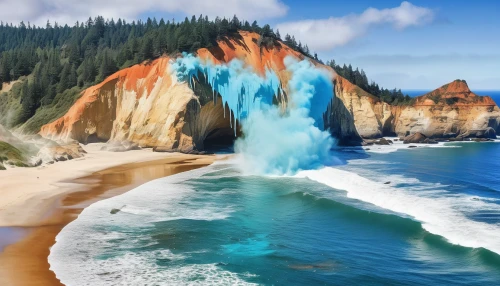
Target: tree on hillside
{"points": [[108, 66], [359, 78], [147, 49], [64, 78]]}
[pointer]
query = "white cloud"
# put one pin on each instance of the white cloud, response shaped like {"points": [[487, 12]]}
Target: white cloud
{"points": [[325, 34], [70, 11]]}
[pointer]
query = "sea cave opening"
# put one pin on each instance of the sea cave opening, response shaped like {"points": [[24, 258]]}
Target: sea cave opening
{"points": [[220, 140], [221, 126]]}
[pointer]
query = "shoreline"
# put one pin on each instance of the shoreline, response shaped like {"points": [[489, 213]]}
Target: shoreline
{"points": [[23, 260]]}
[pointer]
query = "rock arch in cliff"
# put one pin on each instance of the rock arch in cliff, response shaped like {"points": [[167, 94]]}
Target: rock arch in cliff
{"points": [[211, 126]]}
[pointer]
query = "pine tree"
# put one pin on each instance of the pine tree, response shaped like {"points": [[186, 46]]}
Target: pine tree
{"points": [[6, 64], [224, 27], [288, 40], [74, 54], [108, 67], [235, 24], [73, 77], [64, 79], [147, 51], [255, 27], [266, 31]]}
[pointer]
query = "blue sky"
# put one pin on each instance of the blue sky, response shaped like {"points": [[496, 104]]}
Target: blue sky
{"points": [[462, 41], [409, 45]]}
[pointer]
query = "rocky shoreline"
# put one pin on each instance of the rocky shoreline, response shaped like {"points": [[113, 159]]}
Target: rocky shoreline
{"points": [[17, 150]]}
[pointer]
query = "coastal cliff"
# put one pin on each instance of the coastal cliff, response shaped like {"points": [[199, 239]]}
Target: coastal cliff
{"points": [[451, 111], [355, 114], [448, 112], [147, 105], [139, 104]]}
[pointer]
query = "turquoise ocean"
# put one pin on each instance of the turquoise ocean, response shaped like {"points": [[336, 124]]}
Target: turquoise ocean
{"points": [[387, 216]]}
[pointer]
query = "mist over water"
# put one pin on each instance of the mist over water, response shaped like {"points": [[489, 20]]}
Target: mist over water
{"points": [[276, 141]]}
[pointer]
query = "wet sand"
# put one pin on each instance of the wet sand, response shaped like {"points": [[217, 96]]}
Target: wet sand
{"points": [[25, 262]]}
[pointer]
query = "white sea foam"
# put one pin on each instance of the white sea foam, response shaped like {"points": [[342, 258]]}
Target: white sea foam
{"points": [[440, 212], [362, 162], [399, 145], [99, 248], [282, 143], [140, 269]]}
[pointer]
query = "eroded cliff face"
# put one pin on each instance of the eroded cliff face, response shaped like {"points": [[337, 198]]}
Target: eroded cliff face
{"points": [[139, 104], [147, 105], [357, 114], [447, 112]]}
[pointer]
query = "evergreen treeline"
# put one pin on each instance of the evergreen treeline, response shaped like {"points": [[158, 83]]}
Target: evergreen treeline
{"points": [[292, 43], [58, 58], [359, 78]]}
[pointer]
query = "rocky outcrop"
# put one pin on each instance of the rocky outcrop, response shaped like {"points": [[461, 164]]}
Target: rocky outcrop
{"points": [[33, 150], [55, 153], [415, 138], [139, 104], [448, 112], [339, 120]]}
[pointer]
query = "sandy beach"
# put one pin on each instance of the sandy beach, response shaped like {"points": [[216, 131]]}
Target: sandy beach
{"points": [[36, 203]]}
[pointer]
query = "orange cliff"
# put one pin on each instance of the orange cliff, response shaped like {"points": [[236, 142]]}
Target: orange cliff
{"points": [[369, 115], [146, 105], [106, 110], [456, 93], [246, 49]]}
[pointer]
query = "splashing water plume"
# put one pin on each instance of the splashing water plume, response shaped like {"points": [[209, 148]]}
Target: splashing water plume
{"points": [[275, 142]]}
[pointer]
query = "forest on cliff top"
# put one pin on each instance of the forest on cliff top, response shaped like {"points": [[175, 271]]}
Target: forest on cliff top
{"points": [[53, 64]]}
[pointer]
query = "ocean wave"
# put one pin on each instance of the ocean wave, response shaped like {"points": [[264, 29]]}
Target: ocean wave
{"points": [[141, 269], [440, 213], [371, 170], [101, 248], [399, 145]]}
